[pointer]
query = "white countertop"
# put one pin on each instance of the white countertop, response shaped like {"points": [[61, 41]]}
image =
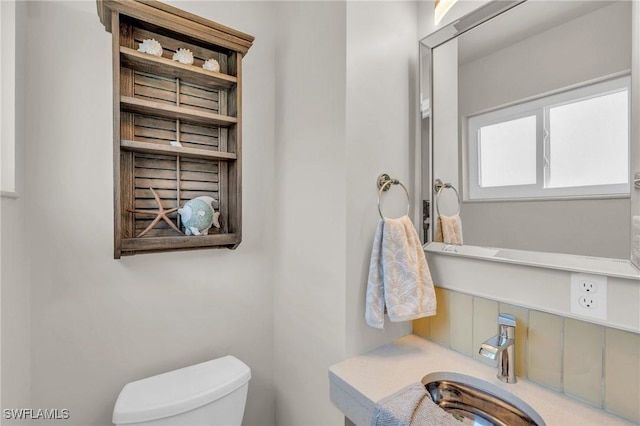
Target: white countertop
{"points": [[358, 382]]}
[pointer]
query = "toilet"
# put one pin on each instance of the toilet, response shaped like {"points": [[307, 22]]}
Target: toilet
{"points": [[208, 394]]}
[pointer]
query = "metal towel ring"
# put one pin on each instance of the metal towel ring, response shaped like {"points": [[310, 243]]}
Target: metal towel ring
{"points": [[439, 186], [384, 183]]}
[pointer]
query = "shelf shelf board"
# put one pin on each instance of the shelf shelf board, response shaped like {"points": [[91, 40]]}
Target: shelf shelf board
{"points": [[178, 242], [151, 148], [141, 106], [164, 67]]}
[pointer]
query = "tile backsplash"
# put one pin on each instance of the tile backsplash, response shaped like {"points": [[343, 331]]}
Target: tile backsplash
{"points": [[595, 364]]}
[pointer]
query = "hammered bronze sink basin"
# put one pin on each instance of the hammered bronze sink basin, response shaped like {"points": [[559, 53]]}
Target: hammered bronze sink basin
{"points": [[476, 402]]}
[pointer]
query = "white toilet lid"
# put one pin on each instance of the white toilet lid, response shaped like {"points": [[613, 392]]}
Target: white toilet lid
{"points": [[181, 390]]}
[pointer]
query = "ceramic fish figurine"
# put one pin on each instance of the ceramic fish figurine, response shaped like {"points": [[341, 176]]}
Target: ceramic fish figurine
{"points": [[211, 65], [198, 216], [150, 46], [184, 56]]}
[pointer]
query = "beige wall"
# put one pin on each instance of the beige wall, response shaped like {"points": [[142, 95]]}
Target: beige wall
{"points": [[309, 285], [334, 136], [289, 300], [98, 323], [382, 96]]}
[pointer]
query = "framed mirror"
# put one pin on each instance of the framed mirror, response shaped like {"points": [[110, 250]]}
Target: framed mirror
{"points": [[529, 111]]}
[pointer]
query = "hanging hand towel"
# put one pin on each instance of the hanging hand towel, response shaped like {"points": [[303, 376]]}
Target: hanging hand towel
{"points": [[399, 277], [449, 229]]}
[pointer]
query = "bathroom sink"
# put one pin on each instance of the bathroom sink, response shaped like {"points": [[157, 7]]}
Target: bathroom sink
{"points": [[476, 402]]}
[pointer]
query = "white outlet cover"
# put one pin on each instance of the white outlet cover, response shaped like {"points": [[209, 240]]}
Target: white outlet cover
{"points": [[596, 290]]}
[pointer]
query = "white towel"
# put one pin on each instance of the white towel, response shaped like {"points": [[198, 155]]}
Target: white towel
{"points": [[449, 229], [411, 406], [399, 277]]}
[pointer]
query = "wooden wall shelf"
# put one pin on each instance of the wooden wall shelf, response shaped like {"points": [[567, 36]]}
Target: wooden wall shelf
{"points": [[180, 242], [158, 102], [157, 109], [169, 68], [148, 148]]}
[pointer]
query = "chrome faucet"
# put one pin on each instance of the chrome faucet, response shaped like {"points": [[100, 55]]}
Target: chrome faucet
{"points": [[502, 348]]}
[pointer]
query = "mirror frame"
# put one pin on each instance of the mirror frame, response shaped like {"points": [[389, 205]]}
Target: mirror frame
{"points": [[612, 267]]}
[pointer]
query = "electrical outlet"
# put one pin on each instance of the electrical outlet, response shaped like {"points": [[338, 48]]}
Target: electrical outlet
{"points": [[587, 302], [588, 286], [589, 295]]}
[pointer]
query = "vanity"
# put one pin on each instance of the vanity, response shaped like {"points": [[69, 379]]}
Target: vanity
{"points": [[357, 383]]}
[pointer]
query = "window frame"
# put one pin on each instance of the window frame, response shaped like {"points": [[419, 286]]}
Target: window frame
{"points": [[539, 107]]}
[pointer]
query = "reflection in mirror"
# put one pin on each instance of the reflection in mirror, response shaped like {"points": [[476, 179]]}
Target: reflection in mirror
{"points": [[529, 114], [553, 146]]}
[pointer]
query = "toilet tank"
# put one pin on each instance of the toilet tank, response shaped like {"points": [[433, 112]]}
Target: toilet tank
{"points": [[207, 394]]}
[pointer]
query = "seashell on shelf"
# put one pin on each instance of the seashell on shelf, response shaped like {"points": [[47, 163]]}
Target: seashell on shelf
{"points": [[211, 65], [150, 46], [184, 56]]}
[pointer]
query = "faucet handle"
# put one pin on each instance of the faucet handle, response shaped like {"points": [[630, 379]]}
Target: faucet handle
{"points": [[507, 319]]}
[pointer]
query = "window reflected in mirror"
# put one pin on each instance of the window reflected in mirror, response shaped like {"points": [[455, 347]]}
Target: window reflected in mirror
{"points": [[572, 143]]}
